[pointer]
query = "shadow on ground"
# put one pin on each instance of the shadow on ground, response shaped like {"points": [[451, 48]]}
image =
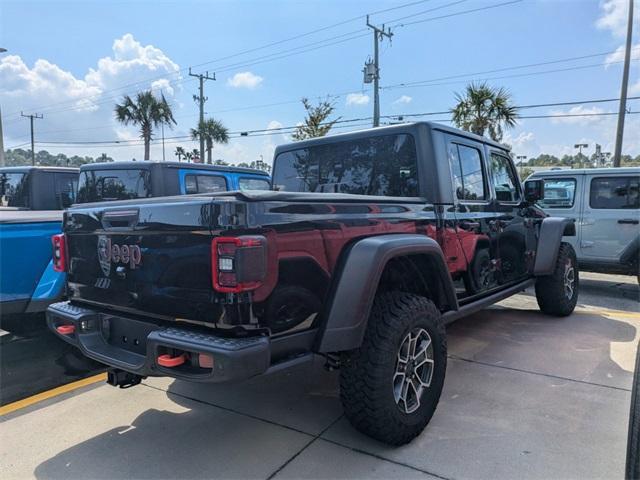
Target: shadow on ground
{"points": [[526, 396]]}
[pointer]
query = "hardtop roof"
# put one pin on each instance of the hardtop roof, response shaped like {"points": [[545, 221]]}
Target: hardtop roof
{"points": [[409, 127], [148, 164]]}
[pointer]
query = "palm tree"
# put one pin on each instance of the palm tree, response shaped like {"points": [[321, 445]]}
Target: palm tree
{"points": [[188, 156], [213, 131], [146, 112], [483, 108], [195, 156], [179, 153]]}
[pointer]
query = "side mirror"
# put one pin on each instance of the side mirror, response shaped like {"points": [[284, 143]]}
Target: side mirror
{"points": [[533, 190]]}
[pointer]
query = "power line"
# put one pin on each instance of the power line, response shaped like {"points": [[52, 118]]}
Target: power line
{"points": [[279, 55], [285, 129]]}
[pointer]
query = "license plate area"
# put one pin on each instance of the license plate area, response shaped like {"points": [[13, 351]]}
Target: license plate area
{"points": [[127, 334]]}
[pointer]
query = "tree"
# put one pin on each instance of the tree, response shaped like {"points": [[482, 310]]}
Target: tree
{"points": [[179, 153], [195, 156], [213, 131], [188, 156], [316, 123], [145, 112], [484, 109], [220, 162]]}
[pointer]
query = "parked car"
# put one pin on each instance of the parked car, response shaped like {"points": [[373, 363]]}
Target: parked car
{"points": [[127, 180], [31, 203], [605, 202], [373, 241]]}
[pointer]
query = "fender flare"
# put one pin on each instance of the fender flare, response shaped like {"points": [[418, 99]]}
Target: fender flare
{"points": [[552, 229], [353, 291]]}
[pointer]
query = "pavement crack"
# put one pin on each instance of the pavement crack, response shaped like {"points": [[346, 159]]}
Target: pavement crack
{"points": [[531, 372], [384, 459]]}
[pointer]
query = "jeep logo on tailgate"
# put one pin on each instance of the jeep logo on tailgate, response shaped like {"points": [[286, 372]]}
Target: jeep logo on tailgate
{"points": [[112, 252]]}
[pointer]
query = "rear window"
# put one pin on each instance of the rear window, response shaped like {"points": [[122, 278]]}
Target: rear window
{"points": [[13, 190], [615, 193], [66, 186], [384, 166], [125, 184], [205, 184], [246, 183], [558, 193]]}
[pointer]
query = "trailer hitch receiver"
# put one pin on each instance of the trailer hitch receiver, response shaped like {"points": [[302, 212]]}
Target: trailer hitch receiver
{"points": [[122, 379]]}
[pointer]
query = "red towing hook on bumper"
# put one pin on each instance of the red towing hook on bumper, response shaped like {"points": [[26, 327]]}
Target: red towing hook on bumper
{"points": [[168, 361]]}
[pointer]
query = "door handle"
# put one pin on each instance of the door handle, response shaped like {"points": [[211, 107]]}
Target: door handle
{"points": [[467, 225], [629, 221]]}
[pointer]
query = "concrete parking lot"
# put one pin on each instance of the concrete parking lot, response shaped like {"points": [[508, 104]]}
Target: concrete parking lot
{"points": [[526, 396]]}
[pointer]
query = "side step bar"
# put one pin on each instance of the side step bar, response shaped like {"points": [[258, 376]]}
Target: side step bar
{"points": [[469, 308]]}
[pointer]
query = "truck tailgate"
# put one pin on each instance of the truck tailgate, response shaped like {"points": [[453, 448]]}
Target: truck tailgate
{"points": [[150, 257]]}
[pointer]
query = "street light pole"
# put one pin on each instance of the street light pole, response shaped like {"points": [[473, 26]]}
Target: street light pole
{"points": [[580, 146], [522, 158]]}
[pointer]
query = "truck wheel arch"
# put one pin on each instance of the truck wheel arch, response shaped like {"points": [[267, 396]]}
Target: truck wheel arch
{"points": [[552, 229], [356, 283]]}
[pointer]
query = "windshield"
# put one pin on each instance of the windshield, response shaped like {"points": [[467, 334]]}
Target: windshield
{"points": [[13, 191], [99, 185]]}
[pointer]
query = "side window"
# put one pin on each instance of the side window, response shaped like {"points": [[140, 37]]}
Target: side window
{"points": [[505, 179], [558, 193], [247, 183], [205, 184], [614, 193], [466, 167], [66, 189]]}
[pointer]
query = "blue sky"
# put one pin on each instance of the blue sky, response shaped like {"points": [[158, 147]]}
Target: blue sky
{"points": [[73, 60]]}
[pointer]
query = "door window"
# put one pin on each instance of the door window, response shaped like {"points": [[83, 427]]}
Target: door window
{"points": [[205, 184], [614, 193], [558, 193], [505, 179], [468, 176]]}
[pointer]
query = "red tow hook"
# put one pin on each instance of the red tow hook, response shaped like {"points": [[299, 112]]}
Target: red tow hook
{"points": [[168, 361], [66, 329]]}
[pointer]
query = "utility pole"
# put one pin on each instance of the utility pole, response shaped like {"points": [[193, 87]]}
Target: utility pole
{"points": [[617, 156], [201, 99], [372, 70], [522, 158], [31, 117]]}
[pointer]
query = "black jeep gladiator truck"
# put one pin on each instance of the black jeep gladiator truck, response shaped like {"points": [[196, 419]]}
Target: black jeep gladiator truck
{"points": [[368, 245]]}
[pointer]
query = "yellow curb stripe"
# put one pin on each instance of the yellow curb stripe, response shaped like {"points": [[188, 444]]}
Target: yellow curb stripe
{"points": [[617, 313], [54, 392]]}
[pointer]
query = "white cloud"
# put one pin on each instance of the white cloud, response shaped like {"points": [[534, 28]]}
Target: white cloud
{"points": [[573, 118], [357, 99], [245, 80], [80, 108], [618, 55], [614, 17], [634, 89], [403, 100]]}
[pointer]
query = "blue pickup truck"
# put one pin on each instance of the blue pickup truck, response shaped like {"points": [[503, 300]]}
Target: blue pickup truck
{"points": [[31, 203], [33, 198]]}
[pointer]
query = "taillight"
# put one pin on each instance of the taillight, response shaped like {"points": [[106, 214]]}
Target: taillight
{"points": [[59, 252], [238, 264]]}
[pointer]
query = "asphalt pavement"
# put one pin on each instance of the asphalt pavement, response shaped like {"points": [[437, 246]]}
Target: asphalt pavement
{"points": [[526, 396]]}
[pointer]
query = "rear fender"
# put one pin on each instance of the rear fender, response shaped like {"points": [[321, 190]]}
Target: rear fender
{"points": [[552, 229], [354, 288]]}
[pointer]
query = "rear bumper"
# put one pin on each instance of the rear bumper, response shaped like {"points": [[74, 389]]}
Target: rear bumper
{"points": [[134, 346]]}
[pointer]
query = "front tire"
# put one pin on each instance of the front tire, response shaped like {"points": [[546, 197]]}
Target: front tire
{"points": [[391, 385], [557, 294], [633, 443]]}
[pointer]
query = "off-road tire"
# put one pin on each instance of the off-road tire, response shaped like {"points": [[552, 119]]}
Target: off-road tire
{"points": [[366, 375], [550, 289], [633, 443]]}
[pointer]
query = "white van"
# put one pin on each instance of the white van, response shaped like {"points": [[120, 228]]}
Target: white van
{"points": [[606, 206]]}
